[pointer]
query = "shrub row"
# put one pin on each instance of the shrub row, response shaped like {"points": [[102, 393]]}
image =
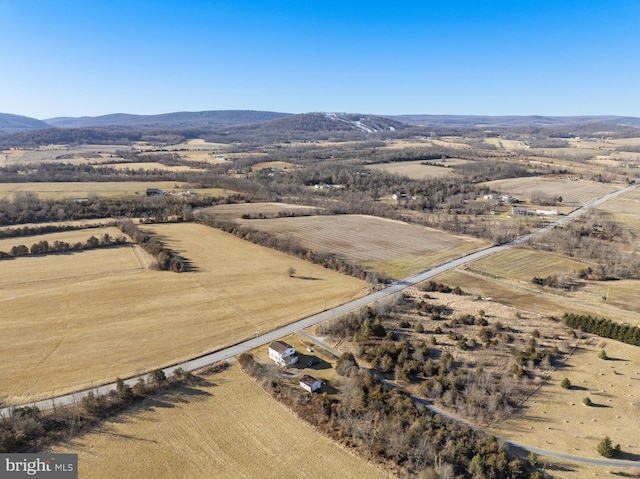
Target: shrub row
{"points": [[166, 260]]}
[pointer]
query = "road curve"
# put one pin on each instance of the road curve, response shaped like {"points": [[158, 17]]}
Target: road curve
{"points": [[396, 286]]}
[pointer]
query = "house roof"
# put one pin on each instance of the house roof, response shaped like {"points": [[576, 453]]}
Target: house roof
{"points": [[280, 346], [308, 380]]}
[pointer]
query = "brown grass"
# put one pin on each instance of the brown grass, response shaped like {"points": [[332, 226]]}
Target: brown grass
{"points": [[556, 419], [70, 321], [528, 298], [70, 237], [150, 166], [417, 169], [573, 192], [106, 188], [228, 427], [283, 165], [517, 264], [235, 211], [391, 247], [86, 189]]}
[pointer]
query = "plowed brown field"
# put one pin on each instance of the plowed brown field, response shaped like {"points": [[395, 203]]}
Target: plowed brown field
{"points": [[391, 247]]}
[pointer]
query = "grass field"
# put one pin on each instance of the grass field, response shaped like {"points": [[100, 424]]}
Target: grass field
{"points": [[83, 223], [70, 321], [283, 165], [150, 166], [107, 188], [70, 237], [574, 193], [386, 246], [235, 211], [86, 189], [416, 169], [528, 298], [521, 265], [61, 153], [227, 427], [625, 209], [556, 419]]}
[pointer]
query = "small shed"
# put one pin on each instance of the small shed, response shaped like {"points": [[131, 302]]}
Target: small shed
{"points": [[310, 383]]}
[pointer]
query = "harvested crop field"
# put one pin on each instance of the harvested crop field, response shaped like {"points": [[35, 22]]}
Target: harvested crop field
{"points": [[521, 265], [225, 427], [625, 209], [526, 297], [86, 189], [269, 210], [70, 321], [71, 237], [418, 170], [283, 165], [556, 419], [386, 246], [150, 166], [574, 193]]}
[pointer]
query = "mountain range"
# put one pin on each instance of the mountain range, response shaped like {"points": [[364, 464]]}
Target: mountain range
{"points": [[292, 124]]}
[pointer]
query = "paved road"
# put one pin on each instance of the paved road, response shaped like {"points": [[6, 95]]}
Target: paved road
{"points": [[395, 287]]}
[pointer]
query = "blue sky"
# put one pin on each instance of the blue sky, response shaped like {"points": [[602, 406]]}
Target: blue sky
{"points": [[94, 57]]}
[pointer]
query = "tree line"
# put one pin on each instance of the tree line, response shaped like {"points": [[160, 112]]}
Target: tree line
{"points": [[45, 247], [166, 259], [603, 327], [50, 228]]}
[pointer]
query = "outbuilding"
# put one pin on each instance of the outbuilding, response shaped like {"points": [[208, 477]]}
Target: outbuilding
{"points": [[310, 383]]}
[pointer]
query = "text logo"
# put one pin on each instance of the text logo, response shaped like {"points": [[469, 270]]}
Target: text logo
{"points": [[50, 466]]}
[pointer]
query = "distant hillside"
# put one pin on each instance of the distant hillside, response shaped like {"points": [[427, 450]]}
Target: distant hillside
{"points": [[314, 126], [15, 123], [178, 120], [482, 121]]}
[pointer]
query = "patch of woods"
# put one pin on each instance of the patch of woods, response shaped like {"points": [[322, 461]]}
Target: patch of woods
{"points": [[608, 244], [28, 207], [478, 367], [604, 328], [28, 429], [386, 424], [44, 247], [165, 259]]}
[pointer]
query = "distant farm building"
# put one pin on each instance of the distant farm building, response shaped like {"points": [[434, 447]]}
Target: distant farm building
{"points": [[547, 212], [519, 211], [310, 383], [282, 353]]}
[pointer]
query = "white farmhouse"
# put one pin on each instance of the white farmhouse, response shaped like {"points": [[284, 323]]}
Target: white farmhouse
{"points": [[310, 383], [282, 353]]}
